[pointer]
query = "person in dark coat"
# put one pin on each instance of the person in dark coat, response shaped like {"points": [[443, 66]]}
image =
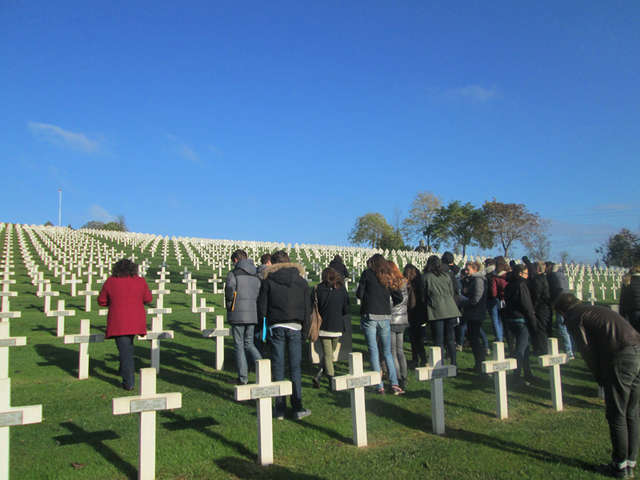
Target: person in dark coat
{"points": [[285, 301], [338, 265], [630, 297], [559, 284], [610, 347], [241, 295], [541, 298], [126, 294], [474, 310], [417, 314], [333, 305], [520, 318]]}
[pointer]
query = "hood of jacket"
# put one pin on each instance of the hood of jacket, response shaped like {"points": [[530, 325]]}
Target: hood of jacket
{"points": [[247, 265], [489, 269], [284, 273]]}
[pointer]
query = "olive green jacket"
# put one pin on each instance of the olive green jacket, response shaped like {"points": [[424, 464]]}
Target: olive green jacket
{"points": [[438, 297]]}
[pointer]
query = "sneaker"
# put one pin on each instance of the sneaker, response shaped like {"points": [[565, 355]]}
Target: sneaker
{"points": [[611, 470], [302, 413], [459, 348], [397, 390], [278, 415], [380, 390]]}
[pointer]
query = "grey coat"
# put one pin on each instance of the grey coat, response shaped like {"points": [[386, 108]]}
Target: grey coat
{"points": [[244, 281]]}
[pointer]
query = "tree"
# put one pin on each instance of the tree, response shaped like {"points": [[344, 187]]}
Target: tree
{"points": [[373, 229], [48, 224], [564, 257], [621, 250], [420, 222], [462, 225], [539, 247], [119, 225], [509, 223]]}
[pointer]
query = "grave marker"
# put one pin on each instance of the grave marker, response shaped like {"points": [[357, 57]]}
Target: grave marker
{"points": [[219, 333], [203, 310], [356, 381], [155, 335], [84, 338], [5, 342], [554, 359], [499, 366], [61, 313], [146, 404], [436, 371], [262, 392]]}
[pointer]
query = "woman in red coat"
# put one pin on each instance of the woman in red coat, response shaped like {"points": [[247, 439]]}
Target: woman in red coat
{"points": [[125, 293]]}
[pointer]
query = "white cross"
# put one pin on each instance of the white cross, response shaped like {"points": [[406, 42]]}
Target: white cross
{"points": [[9, 417], [146, 404], [61, 313], [499, 366], [554, 359], [88, 293], [193, 291], [155, 335], [262, 391], [84, 338], [219, 333], [356, 381], [203, 310], [436, 371], [74, 281], [5, 294], [5, 342]]}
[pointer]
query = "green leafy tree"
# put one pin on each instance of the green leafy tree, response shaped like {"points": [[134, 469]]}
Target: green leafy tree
{"points": [[48, 224], [462, 225], [421, 220], [621, 250], [373, 229], [509, 223], [119, 225]]}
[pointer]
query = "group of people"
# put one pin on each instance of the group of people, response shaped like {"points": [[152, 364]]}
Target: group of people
{"points": [[273, 304]]}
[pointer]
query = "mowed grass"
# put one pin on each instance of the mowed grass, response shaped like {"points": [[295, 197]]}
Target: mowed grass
{"points": [[213, 436]]}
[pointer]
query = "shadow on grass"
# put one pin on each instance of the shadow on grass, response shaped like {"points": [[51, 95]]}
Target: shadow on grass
{"points": [[516, 448], [399, 415], [243, 469], [96, 440]]}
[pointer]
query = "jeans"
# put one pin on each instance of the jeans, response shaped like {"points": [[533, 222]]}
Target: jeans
{"points": [[492, 308], [621, 396], [371, 329], [521, 333], [243, 344], [564, 333], [462, 332], [127, 368], [397, 351], [282, 340], [438, 328]]}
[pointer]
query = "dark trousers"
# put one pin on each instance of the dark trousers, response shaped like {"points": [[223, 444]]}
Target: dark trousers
{"points": [[127, 368], [445, 328], [621, 396], [285, 340], [416, 337], [521, 333], [477, 344]]}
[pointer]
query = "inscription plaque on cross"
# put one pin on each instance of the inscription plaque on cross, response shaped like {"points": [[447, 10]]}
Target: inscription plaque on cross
{"points": [[12, 416], [203, 310], [436, 371], [84, 339], [554, 359], [5, 342], [61, 313], [356, 381], [219, 333], [147, 404], [262, 392], [498, 367]]}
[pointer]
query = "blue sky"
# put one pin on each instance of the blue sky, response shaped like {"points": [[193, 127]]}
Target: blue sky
{"points": [[284, 121]]}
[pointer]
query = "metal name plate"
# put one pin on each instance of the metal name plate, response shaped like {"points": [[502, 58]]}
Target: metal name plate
{"points": [[500, 366], [556, 360], [220, 333], [8, 342], [439, 373], [147, 405], [265, 392], [356, 382], [9, 419], [82, 339]]}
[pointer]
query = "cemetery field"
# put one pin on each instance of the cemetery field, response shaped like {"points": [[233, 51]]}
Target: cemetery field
{"points": [[213, 436]]}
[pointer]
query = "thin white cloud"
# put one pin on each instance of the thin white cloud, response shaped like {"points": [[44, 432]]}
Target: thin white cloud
{"points": [[477, 93], [613, 207], [57, 135], [101, 214], [183, 150]]}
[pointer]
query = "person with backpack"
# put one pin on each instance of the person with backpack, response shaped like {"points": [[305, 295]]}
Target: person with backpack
{"points": [[333, 305], [241, 295]]}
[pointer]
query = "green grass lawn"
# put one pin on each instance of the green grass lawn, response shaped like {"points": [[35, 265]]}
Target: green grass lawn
{"points": [[212, 436]]}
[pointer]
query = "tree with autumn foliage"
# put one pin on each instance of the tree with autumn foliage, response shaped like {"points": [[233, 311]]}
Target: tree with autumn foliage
{"points": [[511, 223]]}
